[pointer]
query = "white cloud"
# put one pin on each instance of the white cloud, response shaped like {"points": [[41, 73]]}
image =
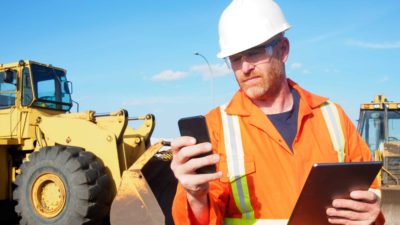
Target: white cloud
{"points": [[215, 70], [385, 45], [296, 65], [323, 37], [168, 75], [207, 72]]}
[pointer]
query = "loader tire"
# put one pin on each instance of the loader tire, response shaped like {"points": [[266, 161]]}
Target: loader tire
{"points": [[62, 185]]}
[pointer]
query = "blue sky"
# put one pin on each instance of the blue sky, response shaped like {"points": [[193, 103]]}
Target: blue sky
{"points": [[138, 55]]}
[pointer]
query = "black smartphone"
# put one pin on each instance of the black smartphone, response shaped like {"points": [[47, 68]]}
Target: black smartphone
{"points": [[196, 127]]}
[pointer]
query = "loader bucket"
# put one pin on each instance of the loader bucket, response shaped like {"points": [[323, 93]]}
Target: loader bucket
{"points": [[391, 204], [135, 202]]}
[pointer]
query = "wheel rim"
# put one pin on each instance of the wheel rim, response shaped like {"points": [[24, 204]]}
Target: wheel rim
{"points": [[48, 195]]}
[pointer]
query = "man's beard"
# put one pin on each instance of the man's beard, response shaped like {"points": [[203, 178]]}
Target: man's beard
{"points": [[269, 86]]}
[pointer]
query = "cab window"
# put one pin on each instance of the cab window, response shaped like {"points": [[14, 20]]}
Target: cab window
{"points": [[8, 88], [27, 96]]}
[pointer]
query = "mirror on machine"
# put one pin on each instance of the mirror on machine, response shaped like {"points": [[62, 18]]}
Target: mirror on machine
{"points": [[7, 76]]}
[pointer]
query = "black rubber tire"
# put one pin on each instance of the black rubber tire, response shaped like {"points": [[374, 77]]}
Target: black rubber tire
{"points": [[86, 182]]}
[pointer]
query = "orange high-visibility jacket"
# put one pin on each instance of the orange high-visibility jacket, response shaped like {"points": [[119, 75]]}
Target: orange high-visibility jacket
{"points": [[275, 175]]}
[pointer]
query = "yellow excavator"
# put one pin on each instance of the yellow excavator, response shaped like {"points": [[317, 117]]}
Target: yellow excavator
{"points": [[379, 125], [59, 167]]}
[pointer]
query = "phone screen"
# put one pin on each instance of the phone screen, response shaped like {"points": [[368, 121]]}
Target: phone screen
{"points": [[196, 127]]}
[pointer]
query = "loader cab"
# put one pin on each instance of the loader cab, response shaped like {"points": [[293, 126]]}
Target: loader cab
{"points": [[379, 122], [45, 87]]}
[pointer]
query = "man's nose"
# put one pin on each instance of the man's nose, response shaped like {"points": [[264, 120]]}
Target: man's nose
{"points": [[247, 67]]}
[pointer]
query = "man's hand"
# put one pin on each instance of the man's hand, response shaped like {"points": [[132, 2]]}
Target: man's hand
{"points": [[362, 209], [184, 167]]}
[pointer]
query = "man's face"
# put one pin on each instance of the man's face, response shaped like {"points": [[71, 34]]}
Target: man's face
{"points": [[261, 81], [263, 78]]}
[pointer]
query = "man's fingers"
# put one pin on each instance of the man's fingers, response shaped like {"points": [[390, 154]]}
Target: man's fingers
{"points": [[181, 142], [197, 184], [351, 204], [188, 152], [196, 181], [349, 217], [361, 201], [176, 146], [362, 208], [190, 166], [337, 220], [195, 163], [185, 163], [346, 214], [365, 196], [183, 149]]}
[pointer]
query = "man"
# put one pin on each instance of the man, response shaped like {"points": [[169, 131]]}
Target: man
{"points": [[268, 136]]}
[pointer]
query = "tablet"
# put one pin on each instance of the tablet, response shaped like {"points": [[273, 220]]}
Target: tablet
{"points": [[328, 181]]}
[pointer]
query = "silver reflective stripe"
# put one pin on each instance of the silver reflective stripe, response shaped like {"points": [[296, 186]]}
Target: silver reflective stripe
{"points": [[332, 120], [235, 162], [236, 153], [378, 192], [233, 145], [236, 221]]}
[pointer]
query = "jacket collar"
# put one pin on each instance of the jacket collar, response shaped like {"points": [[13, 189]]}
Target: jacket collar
{"points": [[242, 105]]}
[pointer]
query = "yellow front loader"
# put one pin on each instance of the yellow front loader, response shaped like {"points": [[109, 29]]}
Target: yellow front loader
{"points": [[62, 167]]}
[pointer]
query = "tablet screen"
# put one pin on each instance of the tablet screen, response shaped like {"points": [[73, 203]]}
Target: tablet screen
{"points": [[328, 181]]}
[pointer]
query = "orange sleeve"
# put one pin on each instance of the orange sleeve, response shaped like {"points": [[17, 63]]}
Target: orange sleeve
{"points": [[180, 207], [380, 220], [218, 199], [218, 202]]}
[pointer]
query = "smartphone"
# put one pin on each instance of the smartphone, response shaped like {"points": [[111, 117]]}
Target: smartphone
{"points": [[196, 127]]}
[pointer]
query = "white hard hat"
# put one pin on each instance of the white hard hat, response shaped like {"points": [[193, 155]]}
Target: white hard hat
{"points": [[247, 23]]}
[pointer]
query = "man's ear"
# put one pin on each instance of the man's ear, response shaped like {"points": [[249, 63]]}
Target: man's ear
{"points": [[284, 49]]}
